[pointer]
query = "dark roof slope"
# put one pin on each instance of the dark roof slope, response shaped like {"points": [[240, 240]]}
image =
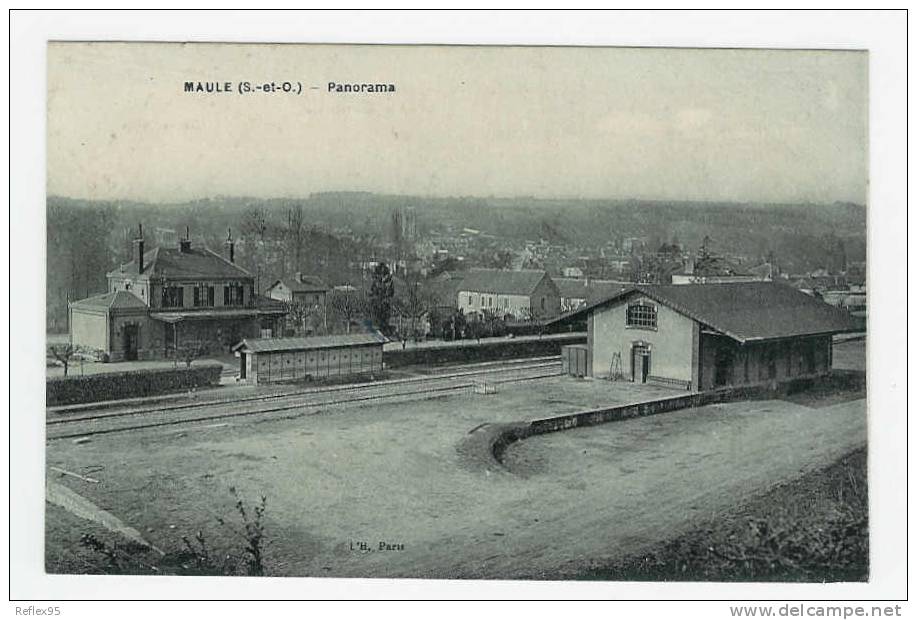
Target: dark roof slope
{"points": [[444, 290], [173, 263], [306, 284], [261, 345], [746, 311], [590, 290], [266, 304], [118, 299], [521, 282], [712, 266]]}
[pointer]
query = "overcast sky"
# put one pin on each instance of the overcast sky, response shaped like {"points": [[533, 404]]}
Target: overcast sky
{"points": [[547, 122]]}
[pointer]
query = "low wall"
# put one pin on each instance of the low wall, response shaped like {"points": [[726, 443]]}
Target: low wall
{"points": [[510, 433], [481, 352], [128, 384]]}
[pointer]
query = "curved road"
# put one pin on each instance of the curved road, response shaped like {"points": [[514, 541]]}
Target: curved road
{"points": [[392, 473]]}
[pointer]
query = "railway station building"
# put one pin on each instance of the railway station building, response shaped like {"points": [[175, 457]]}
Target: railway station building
{"points": [[704, 336], [169, 299]]}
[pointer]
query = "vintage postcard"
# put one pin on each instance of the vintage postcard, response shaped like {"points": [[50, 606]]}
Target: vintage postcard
{"points": [[457, 312]]}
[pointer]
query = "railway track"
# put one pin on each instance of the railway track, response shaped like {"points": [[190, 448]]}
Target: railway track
{"points": [[87, 423]]}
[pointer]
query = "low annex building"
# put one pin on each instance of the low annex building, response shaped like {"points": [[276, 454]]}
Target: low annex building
{"points": [[169, 299], [704, 336], [302, 288], [270, 360]]}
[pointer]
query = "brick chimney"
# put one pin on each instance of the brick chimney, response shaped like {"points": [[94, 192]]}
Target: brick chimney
{"points": [[138, 247], [299, 277], [184, 245], [230, 247]]}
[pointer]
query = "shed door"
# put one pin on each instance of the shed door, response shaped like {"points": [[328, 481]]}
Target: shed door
{"points": [[640, 363], [131, 339], [722, 369]]}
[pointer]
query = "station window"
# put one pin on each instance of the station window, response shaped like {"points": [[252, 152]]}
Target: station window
{"points": [[233, 295], [203, 296], [641, 315], [173, 296]]}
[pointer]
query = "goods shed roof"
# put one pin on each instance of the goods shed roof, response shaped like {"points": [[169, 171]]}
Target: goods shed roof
{"points": [[744, 311]]}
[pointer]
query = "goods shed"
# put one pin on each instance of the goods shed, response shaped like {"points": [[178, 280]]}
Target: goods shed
{"points": [[705, 336], [270, 360]]}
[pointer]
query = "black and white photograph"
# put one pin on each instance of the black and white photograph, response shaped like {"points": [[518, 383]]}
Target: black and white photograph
{"points": [[497, 312]]}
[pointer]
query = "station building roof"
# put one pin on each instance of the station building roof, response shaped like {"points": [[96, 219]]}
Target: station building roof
{"points": [[176, 263], [110, 301]]}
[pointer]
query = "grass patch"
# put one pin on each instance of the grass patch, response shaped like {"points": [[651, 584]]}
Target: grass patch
{"points": [[813, 529], [99, 551]]}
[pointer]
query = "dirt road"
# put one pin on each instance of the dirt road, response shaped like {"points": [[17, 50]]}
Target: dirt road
{"points": [[392, 474]]}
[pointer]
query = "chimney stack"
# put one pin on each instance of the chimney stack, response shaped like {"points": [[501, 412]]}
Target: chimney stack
{"points": [[230, 246], [299, 277], [138, 244], [184, 245]]}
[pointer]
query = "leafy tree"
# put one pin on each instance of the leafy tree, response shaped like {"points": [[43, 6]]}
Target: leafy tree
{"points": [[446, 264], [189, 352], [448, 324], [525, 314], [475, 329], [380, 297]]}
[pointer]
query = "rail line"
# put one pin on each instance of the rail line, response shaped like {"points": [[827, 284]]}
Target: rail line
{"points": [[477, 369], [104, 423], [58, 417]]}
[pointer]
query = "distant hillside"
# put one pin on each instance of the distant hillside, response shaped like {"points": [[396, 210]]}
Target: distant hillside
{"points": [[88, 238]]}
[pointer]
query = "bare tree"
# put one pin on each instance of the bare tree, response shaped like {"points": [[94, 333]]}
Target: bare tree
{"points": [[63, 353], [301, 315], [413, 302], [295, 234], [347, 305], [254, 224]]}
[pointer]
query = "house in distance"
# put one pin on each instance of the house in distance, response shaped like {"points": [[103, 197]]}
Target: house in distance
{"points": [[703, 336], [169, 299], [301, 288], [525, 293]]}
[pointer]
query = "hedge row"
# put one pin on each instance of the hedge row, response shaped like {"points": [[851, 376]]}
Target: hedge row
{"points": [[128, 384], [479, 352]]}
